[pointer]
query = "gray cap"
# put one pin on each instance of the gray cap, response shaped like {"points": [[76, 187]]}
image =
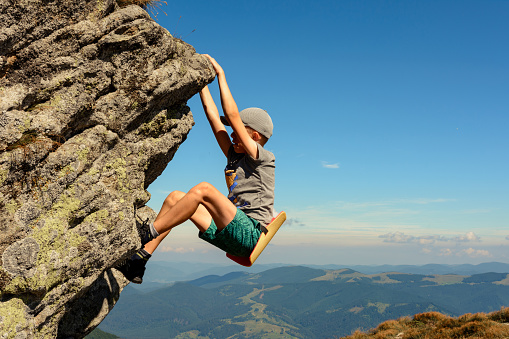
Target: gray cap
{"points": [[255, 118]]}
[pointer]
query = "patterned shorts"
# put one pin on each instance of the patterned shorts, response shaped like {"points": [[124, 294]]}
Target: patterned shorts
{"points": [[239, 237]]}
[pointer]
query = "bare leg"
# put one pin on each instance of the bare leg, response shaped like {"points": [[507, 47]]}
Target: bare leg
{"points": [[201, 215], [168, 203], [201, 204]]}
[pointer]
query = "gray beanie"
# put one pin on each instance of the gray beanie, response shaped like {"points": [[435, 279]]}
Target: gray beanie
{"points": [[255, 118]]}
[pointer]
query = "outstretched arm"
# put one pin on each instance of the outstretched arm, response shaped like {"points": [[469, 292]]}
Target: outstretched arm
{"points": [[232, 112], [215, 122]]}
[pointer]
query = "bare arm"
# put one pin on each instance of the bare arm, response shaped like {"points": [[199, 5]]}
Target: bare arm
{"points": [[232, 112], [215, 123]]}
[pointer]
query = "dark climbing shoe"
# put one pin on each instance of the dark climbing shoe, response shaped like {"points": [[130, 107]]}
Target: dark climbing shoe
{"points": [[145, 234], [134, 267]]}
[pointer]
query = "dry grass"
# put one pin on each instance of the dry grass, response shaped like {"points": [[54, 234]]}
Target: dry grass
{"points": [[151, 6], [434, 325]]}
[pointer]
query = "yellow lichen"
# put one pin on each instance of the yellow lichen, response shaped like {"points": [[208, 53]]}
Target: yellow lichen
{"points": [[119, 165], [83, 154], [25, 126], [12, 206], [55, 240], [93, 172], [65, 171], [156, 126], [182, 70], [3, 175], [98, 218], [13, 317]]}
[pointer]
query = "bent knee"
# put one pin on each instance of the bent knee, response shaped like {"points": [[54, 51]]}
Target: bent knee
{"points": [[202, 189], [174, 197]]}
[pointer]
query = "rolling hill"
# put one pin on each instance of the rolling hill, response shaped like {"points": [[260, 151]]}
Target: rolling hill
{"points": [[298, 302]]}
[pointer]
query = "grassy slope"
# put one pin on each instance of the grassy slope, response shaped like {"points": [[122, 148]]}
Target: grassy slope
{"points": [[434, 325]]}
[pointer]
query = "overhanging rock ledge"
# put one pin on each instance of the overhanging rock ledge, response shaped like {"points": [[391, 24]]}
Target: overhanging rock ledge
{"points": [[92, 109]]}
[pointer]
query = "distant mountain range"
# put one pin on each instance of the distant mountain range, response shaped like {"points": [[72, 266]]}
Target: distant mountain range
{"points": [[302, 302], [160, 273], [463, 269]]}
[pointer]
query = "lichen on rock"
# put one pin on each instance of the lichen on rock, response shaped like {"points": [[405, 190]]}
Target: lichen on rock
{"points": [[92, 109]]}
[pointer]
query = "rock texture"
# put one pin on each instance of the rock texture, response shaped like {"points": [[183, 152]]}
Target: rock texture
{"points": [[92, 102]]}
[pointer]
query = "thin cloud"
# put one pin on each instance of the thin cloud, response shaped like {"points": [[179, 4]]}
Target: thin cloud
{"points": [[469, 252], [385, 203], [472, 253], [445, 252], [397, 237], [176, 250], [507, 238], [325, 164], [430, 239], [424, 201], [400, 237], [294, 222], [476, 211]]}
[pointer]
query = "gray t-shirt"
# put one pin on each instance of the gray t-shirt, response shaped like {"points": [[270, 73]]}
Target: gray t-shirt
{"points": [[251, 183]]}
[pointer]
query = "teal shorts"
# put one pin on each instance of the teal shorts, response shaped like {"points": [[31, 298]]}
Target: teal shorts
{"points": [[239, 237]]}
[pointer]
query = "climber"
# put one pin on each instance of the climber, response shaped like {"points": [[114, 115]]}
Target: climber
{"points": [[231, 223]]}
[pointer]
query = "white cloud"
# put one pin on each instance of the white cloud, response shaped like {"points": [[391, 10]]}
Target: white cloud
{"points": [[472, 253], [400, 237], [432, 238], [397, 237], [445, 252], [176, 250], [470, 236], [325, 164], [426, 240]]}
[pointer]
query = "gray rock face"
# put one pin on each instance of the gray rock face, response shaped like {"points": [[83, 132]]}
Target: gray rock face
{"points": [[92, 109]]}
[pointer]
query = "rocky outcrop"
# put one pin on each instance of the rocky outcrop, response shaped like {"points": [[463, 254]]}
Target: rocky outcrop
{"points": [[92, 102]]}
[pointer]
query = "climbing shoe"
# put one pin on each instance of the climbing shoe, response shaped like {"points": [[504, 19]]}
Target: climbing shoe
{"points": [[147, 232], [133, 268], [145, 235]]}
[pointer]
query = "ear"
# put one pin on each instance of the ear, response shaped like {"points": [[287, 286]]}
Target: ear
{"points": [[256, 136]]}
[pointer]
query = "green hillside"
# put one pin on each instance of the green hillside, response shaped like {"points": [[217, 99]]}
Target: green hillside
{"points": [[98, 334], [297, 302]]}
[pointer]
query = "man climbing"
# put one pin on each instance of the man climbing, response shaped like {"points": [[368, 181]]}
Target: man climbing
{"points": [[232, 223]]}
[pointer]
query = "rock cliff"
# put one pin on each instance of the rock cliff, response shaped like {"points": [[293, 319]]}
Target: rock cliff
{"points": [[93, 107]]}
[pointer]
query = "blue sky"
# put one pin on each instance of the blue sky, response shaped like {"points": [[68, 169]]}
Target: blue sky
{"points": [[391, 126]]}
